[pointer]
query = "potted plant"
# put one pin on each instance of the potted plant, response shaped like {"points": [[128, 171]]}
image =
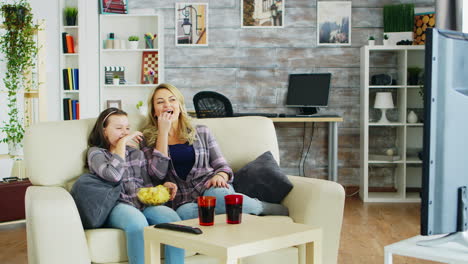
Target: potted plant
{"points": [[413, 75], [116, 80], [133, 42], [385, 39], [143, 109], [371, 41], [71, 14], [398, 22], [19, 49]]}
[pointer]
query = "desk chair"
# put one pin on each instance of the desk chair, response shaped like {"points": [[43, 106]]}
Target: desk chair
{"points": [[212, 104]]}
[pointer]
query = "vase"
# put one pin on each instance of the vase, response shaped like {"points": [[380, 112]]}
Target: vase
{"points": [[412, 117], [149, 79], [116, 81], [371, 42], [143, 110], [15, 149], [385, 42], [71, 21], [133, 45]]}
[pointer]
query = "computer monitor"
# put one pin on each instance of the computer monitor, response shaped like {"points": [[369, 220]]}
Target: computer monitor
{"points": [[444, 206], [308, 91]]}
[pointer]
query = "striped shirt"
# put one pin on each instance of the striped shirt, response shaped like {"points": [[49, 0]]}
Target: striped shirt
{"points": [[208, 161], [131, 172]]}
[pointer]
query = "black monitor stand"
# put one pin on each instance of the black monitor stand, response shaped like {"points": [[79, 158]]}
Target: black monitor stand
{"points": [[308, 110]]}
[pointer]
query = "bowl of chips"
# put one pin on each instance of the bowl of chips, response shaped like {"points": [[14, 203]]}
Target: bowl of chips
{"points": [[154, 195]]}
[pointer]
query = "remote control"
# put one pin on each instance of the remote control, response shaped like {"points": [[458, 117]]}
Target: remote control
{"points": [[182, 228]]}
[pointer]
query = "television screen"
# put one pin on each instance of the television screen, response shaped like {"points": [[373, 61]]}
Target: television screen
{"points": [[308, 90], [445, 144]]}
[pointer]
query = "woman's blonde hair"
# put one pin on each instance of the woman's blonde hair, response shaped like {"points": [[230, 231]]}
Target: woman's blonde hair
{"points": [[186, 129]]}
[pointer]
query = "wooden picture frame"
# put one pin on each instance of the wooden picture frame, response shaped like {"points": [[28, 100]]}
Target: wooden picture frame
{"points": [[149, 62], [114, 103], [262, 13], [113, 6], [191, 20], [334, 23]]}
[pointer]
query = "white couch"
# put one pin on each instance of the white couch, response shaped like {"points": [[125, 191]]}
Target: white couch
{"points": [[54, 157]]}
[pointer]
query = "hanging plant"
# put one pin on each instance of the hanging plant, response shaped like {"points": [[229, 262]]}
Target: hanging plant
{"points": [[19, 49]]}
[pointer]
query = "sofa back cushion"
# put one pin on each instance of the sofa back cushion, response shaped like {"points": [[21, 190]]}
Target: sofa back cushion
{"points": [[55, 152]]}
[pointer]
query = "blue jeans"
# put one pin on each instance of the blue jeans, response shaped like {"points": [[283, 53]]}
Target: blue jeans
{"points": [[249, 205], [132, 221]]}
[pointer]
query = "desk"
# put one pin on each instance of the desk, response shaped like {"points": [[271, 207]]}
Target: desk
{"points": [[332, 139], [228, 243], [448, 253]]}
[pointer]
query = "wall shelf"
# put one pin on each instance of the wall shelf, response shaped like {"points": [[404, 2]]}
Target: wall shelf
{"points": [[404, 138]]}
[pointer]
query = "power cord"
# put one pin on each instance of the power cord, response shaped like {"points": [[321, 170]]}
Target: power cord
{"points": [[308, 149]]}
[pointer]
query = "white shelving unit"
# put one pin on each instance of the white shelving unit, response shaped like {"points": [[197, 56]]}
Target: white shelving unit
{"points": [[123, 26], [398, 179], [69, 60]]}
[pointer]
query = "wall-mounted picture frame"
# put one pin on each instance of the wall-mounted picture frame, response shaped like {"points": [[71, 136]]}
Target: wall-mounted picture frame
{"points": [[334, 23], [114, 6], [191, 20], [262, 13], [114, 103]]}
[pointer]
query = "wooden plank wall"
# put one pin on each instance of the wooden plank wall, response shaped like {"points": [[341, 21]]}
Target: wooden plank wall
{"points": [[251, 67]]}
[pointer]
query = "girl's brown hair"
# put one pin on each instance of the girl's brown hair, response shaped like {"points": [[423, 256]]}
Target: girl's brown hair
{"points": [[96, 137], [186, 129]]}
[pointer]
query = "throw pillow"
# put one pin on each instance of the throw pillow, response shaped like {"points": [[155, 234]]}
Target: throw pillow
{"points": [[94, 198], [263, 179]]}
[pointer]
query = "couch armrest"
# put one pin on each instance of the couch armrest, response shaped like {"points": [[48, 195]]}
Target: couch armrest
{"points": [[318, 203], [54, 231]]}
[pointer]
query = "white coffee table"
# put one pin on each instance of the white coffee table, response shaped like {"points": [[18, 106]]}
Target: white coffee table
{"points": [[448, 253], [255, 235]]}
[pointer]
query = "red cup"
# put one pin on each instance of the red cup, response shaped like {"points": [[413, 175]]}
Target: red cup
{"points": [[206, 210], [233, 208]]}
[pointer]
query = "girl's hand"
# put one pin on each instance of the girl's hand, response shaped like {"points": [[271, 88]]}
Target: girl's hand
{"points": [[217, 180], [172, 188], [133, 139], [164, 122]]}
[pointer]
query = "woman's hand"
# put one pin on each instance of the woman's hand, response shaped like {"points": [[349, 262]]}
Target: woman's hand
{"points": [[164, 122], [218, 180], [173, 189]]}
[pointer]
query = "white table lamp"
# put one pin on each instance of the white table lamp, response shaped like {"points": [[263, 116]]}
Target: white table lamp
{"points": [[383, 101]]}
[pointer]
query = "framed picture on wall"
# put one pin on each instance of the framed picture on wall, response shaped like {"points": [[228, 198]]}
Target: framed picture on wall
{"points": [[191, 24], [334, 23], [113, 6], [262, 13], [114, 103]]}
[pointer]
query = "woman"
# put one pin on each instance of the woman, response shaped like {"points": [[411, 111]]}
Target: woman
{"points": [[110, 158], [190, 157]]}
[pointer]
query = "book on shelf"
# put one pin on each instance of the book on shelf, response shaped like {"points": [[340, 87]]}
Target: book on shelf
{"points": [[378, 157], [68, 44], [70, 79], [71, 109]]}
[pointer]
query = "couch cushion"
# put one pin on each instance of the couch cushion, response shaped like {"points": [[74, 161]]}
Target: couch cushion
{"points": [[263, 179], [107, 245]]}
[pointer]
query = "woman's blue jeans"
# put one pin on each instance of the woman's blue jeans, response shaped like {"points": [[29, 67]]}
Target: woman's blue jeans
{"points": [[249, 205], [132, 221]]}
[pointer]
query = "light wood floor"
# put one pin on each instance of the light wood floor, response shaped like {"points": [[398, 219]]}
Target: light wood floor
{"points": [[367, 228]]}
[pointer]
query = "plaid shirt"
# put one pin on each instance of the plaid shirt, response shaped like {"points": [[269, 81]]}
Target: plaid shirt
{"points": [[208, 161], [132, 172]]}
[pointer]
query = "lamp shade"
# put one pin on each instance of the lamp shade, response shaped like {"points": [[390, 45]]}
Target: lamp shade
{"points": [[383, 100]]}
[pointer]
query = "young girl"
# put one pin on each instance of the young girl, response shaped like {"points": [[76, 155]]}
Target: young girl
{"points": [[110, 158], [189, 156]]}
